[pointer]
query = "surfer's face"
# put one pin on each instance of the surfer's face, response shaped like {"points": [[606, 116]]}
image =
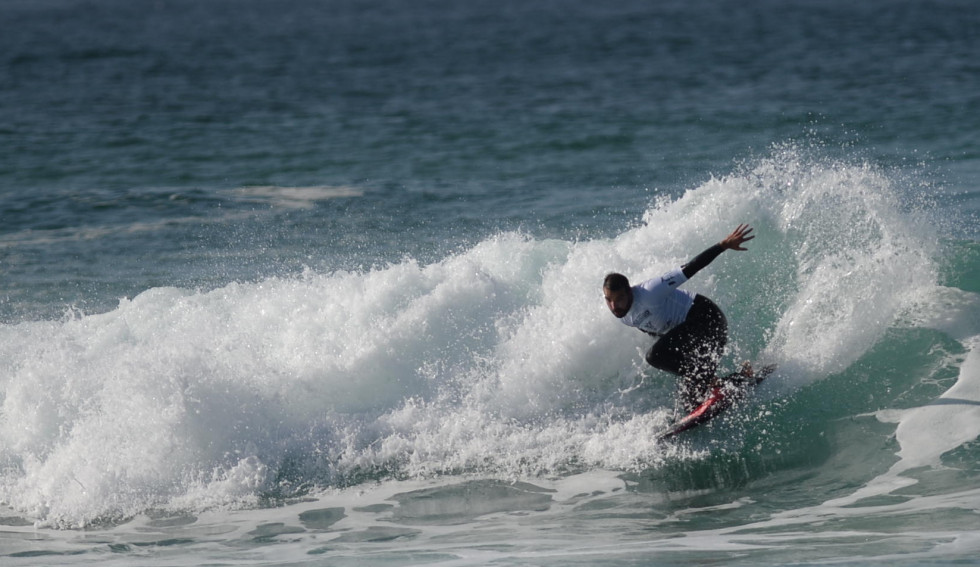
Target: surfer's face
{"points": [[619, 302]]}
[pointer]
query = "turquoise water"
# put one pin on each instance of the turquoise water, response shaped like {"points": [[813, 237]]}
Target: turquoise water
{"points": [[318, 282]]}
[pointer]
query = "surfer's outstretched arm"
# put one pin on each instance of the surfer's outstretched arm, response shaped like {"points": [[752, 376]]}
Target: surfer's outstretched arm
{"points": [[733, 241]]}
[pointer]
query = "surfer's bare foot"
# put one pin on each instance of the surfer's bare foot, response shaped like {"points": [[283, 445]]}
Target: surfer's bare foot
{"points": [[746, 371]]}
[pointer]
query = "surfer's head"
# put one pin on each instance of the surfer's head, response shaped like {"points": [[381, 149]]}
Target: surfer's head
{"points": [[619, 296]]}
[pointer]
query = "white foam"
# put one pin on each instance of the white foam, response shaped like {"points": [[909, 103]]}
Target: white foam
{"points": [[927, 432], [295, 197]]}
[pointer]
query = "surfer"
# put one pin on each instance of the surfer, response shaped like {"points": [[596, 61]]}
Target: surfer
{"points": [[691, 330]]}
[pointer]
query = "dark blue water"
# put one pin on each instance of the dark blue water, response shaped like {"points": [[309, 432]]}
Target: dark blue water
{"points": [[265, 249], [463, 120]]}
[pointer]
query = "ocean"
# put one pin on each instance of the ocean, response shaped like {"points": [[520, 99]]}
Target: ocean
{"points": [[317, 282]]}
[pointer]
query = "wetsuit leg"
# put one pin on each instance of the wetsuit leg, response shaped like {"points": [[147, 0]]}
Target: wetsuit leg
{"points": [[692, 350]]}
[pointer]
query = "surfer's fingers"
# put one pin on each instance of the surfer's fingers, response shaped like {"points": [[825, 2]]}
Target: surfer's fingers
{"points": [[741, 231]]}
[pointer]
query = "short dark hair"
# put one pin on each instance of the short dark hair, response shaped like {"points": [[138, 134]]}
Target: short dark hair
{"points": [[615, 282]]}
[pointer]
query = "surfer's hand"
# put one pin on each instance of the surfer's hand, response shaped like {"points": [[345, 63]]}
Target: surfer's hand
{"points": [[737, 238]]}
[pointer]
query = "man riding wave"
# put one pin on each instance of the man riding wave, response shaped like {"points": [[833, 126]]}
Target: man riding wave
{"points": [[691, 330]]}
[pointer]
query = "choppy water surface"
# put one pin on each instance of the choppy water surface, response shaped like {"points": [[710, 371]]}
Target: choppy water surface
{"points": [[318, 282]]}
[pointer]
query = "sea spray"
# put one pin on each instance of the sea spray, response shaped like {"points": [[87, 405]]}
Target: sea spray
{"points": [[859, 259]]}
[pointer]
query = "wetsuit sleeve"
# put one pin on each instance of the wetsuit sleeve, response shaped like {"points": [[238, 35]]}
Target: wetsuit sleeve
{"points": [[702, 260]]}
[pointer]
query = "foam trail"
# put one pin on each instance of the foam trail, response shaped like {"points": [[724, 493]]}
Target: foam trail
{"points": [[927, 432]]}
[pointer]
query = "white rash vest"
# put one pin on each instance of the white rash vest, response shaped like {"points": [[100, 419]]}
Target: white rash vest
{"points": [[658, 304]]}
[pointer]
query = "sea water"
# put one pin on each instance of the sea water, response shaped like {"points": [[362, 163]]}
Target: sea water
{"points": [[317, 282]]}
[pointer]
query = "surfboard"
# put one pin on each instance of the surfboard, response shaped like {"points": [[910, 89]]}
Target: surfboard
{"points": [[720, 398]]}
